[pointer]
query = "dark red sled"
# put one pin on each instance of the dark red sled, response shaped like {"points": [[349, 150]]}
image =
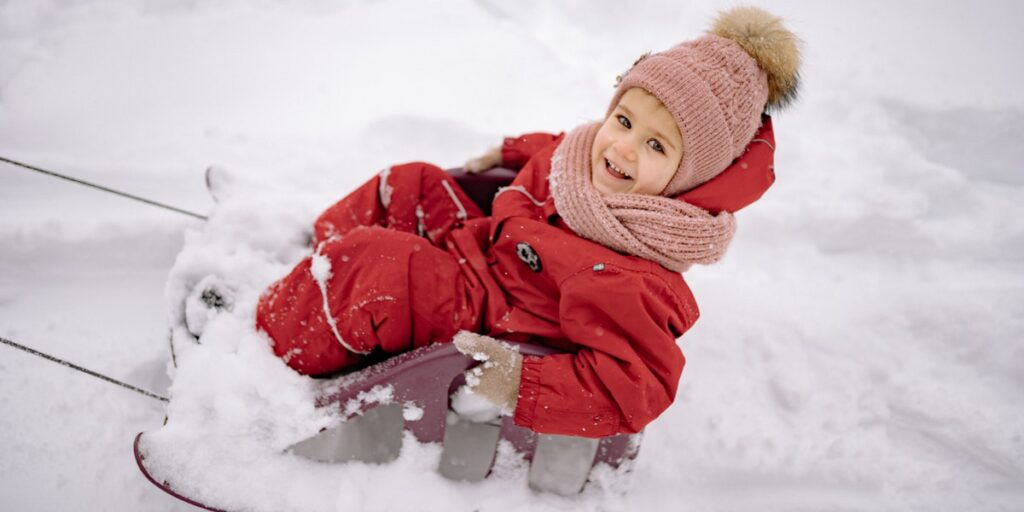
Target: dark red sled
{"points": [[423, 379], [421, 382]]}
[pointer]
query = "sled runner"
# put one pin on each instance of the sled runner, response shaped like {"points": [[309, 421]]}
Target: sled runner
{"points": [[410, 393]]}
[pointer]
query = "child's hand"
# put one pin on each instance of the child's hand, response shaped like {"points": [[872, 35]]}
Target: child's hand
{"points": [[492, 158], [497, 379]]}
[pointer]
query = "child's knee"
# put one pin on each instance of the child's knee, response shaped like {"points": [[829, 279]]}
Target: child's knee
{"points": [[420, 169], [290, 314]]}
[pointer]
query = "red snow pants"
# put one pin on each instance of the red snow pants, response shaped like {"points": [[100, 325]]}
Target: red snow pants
{"points": [[380, 278]]}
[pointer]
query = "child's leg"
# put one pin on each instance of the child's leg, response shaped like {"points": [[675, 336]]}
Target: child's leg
{"points": [[417, 198], [382, 288]]}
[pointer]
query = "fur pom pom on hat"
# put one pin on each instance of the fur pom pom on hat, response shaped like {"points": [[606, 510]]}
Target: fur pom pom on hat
{"points": [[768, 42], [717, 87]]}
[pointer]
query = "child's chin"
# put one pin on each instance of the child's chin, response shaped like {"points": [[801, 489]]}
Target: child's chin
{"points": [[605, 188]]}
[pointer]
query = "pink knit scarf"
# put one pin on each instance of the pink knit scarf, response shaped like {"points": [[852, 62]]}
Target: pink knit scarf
{"points": [[661, 229]]}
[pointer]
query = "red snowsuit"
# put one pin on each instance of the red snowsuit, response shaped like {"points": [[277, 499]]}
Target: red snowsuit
{"points": [[413, 261]]}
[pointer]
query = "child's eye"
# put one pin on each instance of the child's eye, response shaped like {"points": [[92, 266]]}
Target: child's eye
{"points": [[624, 121], [655, 145]]}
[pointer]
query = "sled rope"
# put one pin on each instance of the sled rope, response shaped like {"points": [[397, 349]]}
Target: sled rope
{"points": [[83, 370], [101, 187]]}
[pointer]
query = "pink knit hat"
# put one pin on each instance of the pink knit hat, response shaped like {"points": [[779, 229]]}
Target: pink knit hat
{"points": [[717, 87]]}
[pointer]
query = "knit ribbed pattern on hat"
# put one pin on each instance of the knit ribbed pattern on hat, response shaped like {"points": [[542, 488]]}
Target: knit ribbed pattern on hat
{"points": [[716, 93], [668, 231]]}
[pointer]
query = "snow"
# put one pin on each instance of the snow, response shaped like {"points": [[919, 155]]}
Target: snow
{"points": [[320, 267], [384, 189], [199, 312], [472, 406], [412, 412], [859, 348], [378, 394]]}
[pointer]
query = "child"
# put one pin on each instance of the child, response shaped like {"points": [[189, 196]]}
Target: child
{"points": [[583, 252]]}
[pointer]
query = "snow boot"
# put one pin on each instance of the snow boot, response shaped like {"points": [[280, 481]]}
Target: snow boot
{"points": [[209, 298]]}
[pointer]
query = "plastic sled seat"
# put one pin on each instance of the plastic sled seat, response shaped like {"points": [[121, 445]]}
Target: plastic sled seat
{"points": [[482, 187]]}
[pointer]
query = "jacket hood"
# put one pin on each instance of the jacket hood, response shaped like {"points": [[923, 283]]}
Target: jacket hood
{"points": [[745, 180]]}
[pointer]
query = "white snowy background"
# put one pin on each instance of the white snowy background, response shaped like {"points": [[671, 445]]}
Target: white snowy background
{"points": [[860, 347]]}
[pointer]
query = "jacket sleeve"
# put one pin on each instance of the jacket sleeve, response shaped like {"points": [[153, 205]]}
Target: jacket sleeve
{"points": [[627, 370], [516, 151]]}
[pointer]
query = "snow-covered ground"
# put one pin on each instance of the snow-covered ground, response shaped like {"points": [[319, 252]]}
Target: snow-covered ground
{"points": [[861, 347]]}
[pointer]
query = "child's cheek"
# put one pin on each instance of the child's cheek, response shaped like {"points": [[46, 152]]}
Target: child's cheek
{"points": [[601, 142]]}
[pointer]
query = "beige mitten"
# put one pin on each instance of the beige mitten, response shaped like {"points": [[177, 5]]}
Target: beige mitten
{"points": [[492, 158], [497, 378]]}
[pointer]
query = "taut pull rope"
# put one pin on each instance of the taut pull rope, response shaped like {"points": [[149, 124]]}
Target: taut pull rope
{"points": [[101, 187], [115, 192], [83, 370]]}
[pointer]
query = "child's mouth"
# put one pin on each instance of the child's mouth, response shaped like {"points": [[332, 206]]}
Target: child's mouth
{"points": [[614, 171]]}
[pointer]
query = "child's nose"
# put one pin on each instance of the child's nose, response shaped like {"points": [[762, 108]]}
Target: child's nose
{"points": [[625, 147]]}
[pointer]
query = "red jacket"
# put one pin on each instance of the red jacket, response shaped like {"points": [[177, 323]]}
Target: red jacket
{"points": [[619, 314], [520, 274]]}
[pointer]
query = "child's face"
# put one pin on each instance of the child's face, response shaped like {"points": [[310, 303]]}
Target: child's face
{"points": [[637, 149]]}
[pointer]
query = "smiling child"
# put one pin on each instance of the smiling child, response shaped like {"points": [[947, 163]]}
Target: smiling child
{"points": [[584, 251]]}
